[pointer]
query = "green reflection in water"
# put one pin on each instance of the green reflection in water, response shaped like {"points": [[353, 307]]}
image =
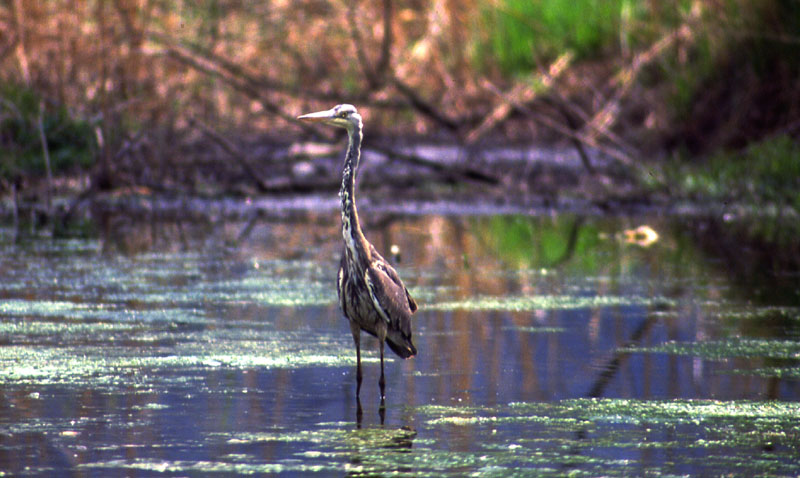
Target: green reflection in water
{"points": [[525, 241]]}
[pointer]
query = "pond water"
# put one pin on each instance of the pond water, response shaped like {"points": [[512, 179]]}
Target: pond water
{"points": [[549, 345]]}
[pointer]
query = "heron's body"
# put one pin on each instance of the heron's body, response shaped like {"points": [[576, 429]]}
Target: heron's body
{"points": [[371, 294]]}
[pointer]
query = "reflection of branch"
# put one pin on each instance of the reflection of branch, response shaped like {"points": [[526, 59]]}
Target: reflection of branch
{"points": [[610, 369], [572, 241]]}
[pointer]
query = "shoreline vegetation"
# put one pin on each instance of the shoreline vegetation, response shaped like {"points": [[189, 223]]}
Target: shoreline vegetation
{"points": [[637, 101]]}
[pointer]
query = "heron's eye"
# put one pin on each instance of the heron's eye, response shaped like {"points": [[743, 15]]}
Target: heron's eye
{"points": [[343, 114]]}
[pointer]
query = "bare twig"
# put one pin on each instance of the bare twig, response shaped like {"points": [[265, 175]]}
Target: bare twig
{"points": [[358, 44], [384, 63], [560, 128], [574, 115], [603, 120], [22, 56], [425, 107], [233, 151], [229, 74], [13, 108], [46, 154], [9, 46], [376, 77], [573, 125]]}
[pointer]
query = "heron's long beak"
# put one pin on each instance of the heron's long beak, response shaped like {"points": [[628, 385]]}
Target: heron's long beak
{"points": [[318, 116]]}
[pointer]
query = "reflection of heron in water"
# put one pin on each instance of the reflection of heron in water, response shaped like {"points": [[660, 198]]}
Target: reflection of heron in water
{"points": [[371, 294]]}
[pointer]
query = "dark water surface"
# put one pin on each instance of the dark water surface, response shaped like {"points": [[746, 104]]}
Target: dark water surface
{"points": [[549, 345]]}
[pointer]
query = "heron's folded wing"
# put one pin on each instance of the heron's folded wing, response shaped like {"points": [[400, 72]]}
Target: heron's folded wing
{"points": [[390, 299], [387, 268]]}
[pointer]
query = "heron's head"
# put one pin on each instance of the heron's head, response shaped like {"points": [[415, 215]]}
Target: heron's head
{"points": [[343, 116]]}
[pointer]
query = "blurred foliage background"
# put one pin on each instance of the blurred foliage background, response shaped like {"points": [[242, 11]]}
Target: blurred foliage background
{"points": [[116, 86]]}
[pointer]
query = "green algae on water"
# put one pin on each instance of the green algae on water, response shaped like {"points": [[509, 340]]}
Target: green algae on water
{"points": [[546, 302], [722, 349]]}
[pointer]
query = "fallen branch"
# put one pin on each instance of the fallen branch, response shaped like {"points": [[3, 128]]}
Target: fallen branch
{"points": [[520, 94], [560, 128], [573, 125], [231, 75], [604, 119]]}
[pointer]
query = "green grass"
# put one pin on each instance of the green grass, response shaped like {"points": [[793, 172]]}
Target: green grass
{"points": [[767, 172], [70, 141], [521, 33]]}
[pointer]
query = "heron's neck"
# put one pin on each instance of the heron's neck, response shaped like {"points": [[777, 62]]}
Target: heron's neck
{"points": [[351, 227]]}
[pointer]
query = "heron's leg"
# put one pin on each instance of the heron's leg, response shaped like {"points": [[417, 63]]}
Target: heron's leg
{"points": [[359, 412], [356, 330], [358, 369], [382, 381]]}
